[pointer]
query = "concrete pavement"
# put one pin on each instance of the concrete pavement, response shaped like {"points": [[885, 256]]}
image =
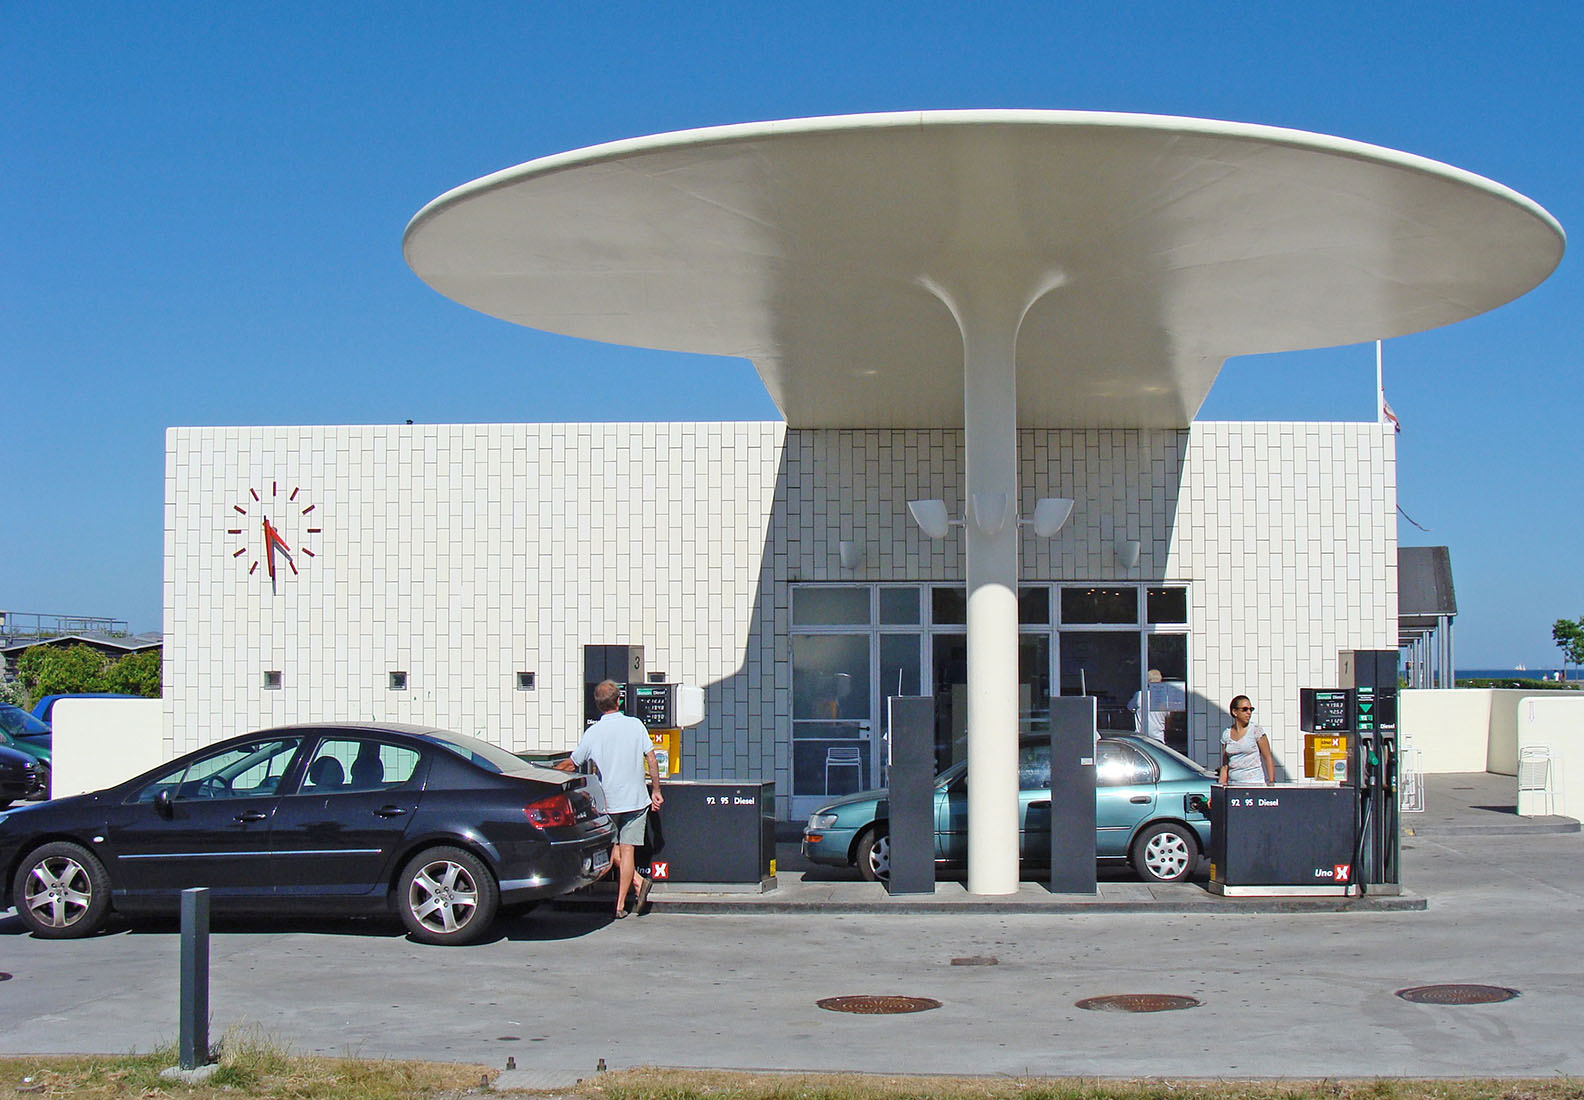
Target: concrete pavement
{"points": [[1284, 994]]}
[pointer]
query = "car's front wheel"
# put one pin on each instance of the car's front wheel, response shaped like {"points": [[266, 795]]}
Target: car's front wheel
{"points": [[447, 896], [62, 891], [874, 855], [1165, 852]]}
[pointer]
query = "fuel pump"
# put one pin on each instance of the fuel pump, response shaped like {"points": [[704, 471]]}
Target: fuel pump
{"points": [[1372, 676]]}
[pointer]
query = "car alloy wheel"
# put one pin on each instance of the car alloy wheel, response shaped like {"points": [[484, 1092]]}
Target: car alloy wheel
{"points": [[62, 891], [874, 856], [447, 896], [1165, 853]]}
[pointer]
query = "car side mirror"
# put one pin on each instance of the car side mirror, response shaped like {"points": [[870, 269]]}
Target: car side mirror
{"points": [[163, 806]]}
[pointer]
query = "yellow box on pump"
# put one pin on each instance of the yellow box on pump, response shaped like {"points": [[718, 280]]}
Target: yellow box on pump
{"points": [[1326, 757]]}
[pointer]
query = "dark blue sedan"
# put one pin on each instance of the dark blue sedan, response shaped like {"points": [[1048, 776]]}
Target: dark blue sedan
{"points": [[440, 828]]}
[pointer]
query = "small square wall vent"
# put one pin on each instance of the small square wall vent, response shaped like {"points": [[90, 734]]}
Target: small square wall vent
{"points": [[397, 681], [525, 681], [272, 680]]}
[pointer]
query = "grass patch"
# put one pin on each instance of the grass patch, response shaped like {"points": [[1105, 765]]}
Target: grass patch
{"points": [[250, 1065], [714, 1085]]}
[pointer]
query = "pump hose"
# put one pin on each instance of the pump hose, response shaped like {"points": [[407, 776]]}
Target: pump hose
{"points": [[1359, 876]]}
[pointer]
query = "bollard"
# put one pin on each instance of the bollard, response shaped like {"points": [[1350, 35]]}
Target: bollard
{"points": [[194, 1045]]}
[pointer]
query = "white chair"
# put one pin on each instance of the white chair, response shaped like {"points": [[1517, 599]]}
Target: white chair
{"points": [[844, 756], [1534, 780]]}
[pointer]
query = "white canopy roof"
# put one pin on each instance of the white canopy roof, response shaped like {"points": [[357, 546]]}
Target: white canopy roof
{"points": [[1169, 244]]}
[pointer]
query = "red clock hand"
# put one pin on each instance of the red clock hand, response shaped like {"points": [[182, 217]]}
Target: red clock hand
{"points": [[272, 542], [270, 539]]}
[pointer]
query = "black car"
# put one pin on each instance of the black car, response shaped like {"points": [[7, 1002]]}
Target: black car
{"points": [[19, 777], [443, 828]]}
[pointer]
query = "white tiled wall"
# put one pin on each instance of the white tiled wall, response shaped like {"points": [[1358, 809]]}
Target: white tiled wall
{"points": [[465, 554]]}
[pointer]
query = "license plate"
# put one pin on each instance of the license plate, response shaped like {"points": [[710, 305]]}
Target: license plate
{"points": [[599, 863]]}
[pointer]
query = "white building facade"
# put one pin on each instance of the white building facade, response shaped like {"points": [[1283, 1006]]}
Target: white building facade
{"points": [[452, 574]]}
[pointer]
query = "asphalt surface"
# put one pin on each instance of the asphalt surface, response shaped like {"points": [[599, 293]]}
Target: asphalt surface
{"points": [[1284, 994]]}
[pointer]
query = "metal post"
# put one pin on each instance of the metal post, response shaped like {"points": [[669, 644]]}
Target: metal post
{"points": [[194, 1045]]}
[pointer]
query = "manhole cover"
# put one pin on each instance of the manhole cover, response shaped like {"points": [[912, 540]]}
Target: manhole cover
{"points": [[878, 1006], [976, 960], [1139, 1002], [1457, 994]]}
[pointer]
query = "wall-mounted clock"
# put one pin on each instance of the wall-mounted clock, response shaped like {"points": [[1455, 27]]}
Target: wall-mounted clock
{"points": [[275, 526]]}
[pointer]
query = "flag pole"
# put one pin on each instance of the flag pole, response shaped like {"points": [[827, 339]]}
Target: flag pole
{"points": [[1380, 387]]}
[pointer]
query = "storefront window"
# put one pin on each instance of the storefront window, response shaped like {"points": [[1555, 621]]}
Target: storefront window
{"points": [[899, 606], [1167, 605], [830, 606], [1093, 606], [948, 606]]}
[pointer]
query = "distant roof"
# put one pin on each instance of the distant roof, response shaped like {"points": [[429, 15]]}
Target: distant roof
{"points": [[1160, 247], [1424, 586], [131, 643]]}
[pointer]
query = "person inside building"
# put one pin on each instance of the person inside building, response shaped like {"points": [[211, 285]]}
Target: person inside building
{"points": [[620, 747], [1161, 699], [1246, 759]]}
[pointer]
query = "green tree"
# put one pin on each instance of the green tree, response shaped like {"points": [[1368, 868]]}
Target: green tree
{"points": [[1568, 634], [50, 669], [136, 674]]}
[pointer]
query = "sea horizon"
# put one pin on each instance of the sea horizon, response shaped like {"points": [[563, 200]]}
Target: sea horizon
{"points": [[1573, 674]]}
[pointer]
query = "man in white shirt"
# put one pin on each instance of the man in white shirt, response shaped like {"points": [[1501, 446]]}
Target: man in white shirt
{"points": [[620, 748]]}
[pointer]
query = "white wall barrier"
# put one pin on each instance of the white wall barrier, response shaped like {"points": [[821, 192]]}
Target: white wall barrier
{"points": [[1556, 724], [98, 742]]}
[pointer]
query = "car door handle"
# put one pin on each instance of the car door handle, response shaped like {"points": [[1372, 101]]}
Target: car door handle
{"points": [[251, 815], [389, 811], [1141, 799]]}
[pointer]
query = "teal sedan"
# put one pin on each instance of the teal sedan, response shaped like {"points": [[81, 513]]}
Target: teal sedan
{"points": [[1151, 811], [21, 731]]}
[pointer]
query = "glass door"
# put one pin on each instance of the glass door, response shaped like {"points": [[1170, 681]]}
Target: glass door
{"points": [[831, 718]]}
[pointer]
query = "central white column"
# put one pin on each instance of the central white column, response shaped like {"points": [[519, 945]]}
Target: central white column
{"points": [[989, 307], [989, 324]]}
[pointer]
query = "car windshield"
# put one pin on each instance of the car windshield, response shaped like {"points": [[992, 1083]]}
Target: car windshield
{"points": [[19, 723], [490, 757]]}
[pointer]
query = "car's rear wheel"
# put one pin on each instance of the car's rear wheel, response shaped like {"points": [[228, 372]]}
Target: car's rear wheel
{"points": [[1165, 852], [62, 891], [874, 855], [447, 896]]}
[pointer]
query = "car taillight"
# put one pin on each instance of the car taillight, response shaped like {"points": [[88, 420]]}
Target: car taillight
{"points": [[555, 810]]}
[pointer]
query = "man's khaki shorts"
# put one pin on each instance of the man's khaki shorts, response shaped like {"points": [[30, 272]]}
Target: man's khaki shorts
{"points": [[630, 826]]}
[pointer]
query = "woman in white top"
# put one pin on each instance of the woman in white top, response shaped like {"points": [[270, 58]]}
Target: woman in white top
{"points": [[1246, 759]]}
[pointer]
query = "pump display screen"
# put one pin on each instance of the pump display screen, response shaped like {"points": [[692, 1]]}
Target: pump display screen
{"points": [[1323, 711], [652, 705]]}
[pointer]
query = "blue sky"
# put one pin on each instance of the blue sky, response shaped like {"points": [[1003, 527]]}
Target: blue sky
{"points": [[203, 209]]}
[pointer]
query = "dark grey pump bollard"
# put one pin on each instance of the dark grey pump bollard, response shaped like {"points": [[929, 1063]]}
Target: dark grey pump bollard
{"points": [[194, 1045]]}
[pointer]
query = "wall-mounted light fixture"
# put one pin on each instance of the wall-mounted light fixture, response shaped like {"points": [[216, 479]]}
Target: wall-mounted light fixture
{"points": [[990, 514], [850, 553], [1127, 553], [932, 517], [1050, 516]]}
